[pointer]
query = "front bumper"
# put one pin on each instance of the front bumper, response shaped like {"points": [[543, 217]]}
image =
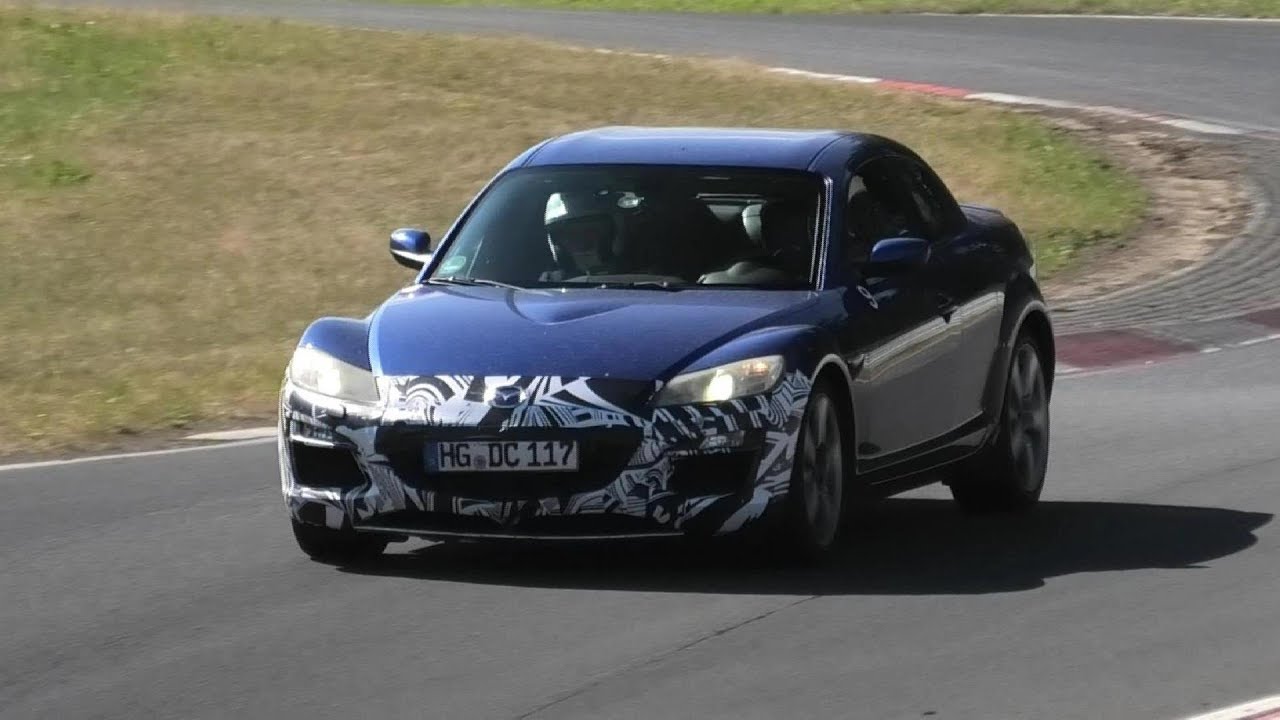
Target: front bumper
{"points": [[701, 470]]}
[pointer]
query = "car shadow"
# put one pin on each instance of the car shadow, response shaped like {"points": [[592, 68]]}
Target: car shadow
{"points": [[903, 546]]}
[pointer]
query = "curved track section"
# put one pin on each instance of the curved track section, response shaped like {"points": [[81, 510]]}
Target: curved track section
{"points": [[1146, 588]]}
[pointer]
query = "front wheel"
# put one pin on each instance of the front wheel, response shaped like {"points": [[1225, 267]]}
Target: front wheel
{"points": [[815, 507], [336, 546], [1009, 474]]}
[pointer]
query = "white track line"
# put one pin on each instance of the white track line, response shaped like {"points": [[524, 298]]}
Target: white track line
{"points": [[860, 79], [1081, 16], [1258, 340], [253, 433], [128, 456], [1256, 709], [1008, 99], [1204, 128]]}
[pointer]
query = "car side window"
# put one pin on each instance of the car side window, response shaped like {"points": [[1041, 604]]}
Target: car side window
{"points": [[880, 204]]}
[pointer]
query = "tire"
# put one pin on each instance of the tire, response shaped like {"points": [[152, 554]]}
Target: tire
{"points": [[818, 493], [1008, 475], [336, 546]]}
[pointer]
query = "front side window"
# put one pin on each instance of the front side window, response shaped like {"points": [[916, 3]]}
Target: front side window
{"points": [[667, 226], [879, 204]]}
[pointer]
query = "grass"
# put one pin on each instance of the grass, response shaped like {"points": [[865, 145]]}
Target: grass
{"points": [[1209, 8], [180, 197]]}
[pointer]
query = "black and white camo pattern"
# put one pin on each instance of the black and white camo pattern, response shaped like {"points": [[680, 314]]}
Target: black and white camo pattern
{"points": [[641, 490]]}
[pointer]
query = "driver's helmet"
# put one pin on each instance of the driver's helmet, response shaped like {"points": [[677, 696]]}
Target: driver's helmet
{"points": [[582, 230]]}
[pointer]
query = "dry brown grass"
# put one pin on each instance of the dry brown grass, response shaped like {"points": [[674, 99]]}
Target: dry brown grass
{"points": [[234, 180]]}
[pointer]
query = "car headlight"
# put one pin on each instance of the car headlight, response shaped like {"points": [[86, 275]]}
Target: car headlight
{"points": [[325, 374], [726, 382]]}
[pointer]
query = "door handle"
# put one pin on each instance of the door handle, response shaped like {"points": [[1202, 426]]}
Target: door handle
{"points": [[946, 305]]}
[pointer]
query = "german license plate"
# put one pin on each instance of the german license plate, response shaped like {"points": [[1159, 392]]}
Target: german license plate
{"points": [[502, 456]]}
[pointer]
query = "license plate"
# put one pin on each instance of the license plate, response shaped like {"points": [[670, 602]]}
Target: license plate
{"points": [[502, 456]]}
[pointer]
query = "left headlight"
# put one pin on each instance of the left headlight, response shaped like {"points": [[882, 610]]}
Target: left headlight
{"points": [[726, 382], [322, 373]]}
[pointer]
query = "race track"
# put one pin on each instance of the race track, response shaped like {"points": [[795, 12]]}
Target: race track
{"points": [[169, 586]]}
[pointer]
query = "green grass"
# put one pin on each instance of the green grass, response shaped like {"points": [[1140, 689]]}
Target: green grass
{"points": [[1210, 8], [180, 197]]}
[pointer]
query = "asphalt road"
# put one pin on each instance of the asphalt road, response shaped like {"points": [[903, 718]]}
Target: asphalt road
{"points": [[1146, 587]]}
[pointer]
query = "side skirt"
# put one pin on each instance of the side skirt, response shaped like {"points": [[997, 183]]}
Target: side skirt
{"points": [[920, 466]]}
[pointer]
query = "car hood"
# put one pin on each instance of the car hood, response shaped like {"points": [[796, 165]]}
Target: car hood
{"points": [[623, 334]]}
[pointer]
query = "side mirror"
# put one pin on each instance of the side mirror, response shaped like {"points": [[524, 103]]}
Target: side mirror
{"points": [[411, 247], [894, 256]]}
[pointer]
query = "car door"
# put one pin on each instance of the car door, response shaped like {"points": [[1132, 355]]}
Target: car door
{"points": [[966, 272], [903, 346]]}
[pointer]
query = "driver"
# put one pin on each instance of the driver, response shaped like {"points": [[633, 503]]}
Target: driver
{"points": [[580, 233]]}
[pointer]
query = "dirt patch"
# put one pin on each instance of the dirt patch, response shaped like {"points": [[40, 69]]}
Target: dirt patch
{"points": [[1199, 200]]}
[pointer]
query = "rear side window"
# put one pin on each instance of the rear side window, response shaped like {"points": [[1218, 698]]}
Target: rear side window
{"points": [[894, 196], [879, 204], [936, 204]]}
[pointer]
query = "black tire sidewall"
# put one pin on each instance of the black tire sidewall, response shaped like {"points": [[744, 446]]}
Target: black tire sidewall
{"points": [[328, 544], [797, 531]]}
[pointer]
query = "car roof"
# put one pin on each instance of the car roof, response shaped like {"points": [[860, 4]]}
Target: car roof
{"points": [[709, 146]]}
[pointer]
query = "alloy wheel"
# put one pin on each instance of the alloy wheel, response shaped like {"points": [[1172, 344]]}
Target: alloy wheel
{"points": [[1027, 419]]}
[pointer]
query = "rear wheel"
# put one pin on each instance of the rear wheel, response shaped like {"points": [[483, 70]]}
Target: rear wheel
{"points": [[1009, 474], [815, 507], [336, 546]]}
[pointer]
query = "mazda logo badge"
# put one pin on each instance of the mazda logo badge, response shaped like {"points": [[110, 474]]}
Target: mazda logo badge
{"points": [[505, 397]]}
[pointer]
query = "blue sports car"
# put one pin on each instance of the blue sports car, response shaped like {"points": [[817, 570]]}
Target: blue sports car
{"points": [[638, 332]]}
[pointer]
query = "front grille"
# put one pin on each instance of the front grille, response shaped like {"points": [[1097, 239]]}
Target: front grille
{"points": [[602, 455]]}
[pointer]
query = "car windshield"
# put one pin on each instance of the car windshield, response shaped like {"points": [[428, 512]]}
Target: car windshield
{"points": [[647, 227]]}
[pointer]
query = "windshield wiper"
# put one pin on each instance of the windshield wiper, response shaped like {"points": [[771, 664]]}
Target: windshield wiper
{"points": [[758, 286], [643, 285], [466, 281], [660, 285]]}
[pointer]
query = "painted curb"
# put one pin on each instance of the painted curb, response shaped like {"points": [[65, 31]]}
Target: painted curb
{"points": [[1066, 370], [1202, 127], [1187, 124]]}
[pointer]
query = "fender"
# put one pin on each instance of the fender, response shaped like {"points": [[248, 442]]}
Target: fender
{"points": [[1023, 304], [344, 338], [810, 349], [801, 345]]}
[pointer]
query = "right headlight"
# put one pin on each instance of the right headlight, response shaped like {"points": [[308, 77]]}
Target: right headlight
{"points": [[726, 382], [322, 373]]}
